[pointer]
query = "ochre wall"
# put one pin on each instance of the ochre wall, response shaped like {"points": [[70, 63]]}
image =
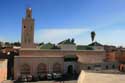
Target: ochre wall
{"points": [[81, 77], [3, 70]]}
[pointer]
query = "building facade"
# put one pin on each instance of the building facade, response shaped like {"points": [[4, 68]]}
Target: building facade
{"points": [[69, 59]]}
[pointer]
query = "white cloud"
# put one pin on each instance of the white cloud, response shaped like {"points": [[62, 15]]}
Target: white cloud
{"points": [[112, 37], [8, 39], [57, 35]]}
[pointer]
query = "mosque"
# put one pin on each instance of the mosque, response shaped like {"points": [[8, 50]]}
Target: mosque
{"points": [[68, 58]]}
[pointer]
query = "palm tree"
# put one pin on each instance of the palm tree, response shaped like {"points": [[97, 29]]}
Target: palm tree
{"points": [[72, 41], [93, 34]]}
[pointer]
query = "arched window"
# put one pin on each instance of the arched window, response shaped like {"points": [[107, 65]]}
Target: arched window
{"points": [[122, 67], [57, 68], [25, 69], [25, 40], [42, 68], [113, 66], [89, 68], [29, 40], [107, 67], [24, 27]]}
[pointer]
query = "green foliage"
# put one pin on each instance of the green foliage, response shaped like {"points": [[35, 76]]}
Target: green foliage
{"points": [[72, 40], [55, 47], [46, 46], [68, 41], [49, 46], [17, 44], [42, 43], [7, 43]]}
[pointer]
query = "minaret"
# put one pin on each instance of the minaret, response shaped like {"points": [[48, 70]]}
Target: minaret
{"points": [[27, 39]]}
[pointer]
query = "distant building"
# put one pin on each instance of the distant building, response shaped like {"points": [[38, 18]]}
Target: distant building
{"points": [[65, 58], [97, 46]]}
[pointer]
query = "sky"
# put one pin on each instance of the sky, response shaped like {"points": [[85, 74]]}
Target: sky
{"points": [[56, 20]]}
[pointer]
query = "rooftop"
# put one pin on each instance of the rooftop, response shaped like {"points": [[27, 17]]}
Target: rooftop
{"points": [[95, 44]]}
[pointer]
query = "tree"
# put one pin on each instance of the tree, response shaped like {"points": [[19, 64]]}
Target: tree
{"points": [[72, 41], [42, 43], [93, 34], [7, 44], [55, 47], [0, 45], [68, 41], [17, 44]]}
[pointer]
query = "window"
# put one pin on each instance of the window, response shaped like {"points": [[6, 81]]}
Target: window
{"points": [[42, 68], [25, 40], [113, 66], [25, 69], [107, 67], [24, 27], [89, 68], [29, 40]]}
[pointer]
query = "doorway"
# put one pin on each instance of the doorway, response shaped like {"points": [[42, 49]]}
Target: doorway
{"points": [[70, 70]]}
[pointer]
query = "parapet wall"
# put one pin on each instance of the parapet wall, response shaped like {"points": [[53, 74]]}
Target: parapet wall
{"points": [[3, 70], [81, 77]]}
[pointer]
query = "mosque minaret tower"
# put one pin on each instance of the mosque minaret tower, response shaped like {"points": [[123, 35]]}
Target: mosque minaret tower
{"points": [[27, 39]]}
